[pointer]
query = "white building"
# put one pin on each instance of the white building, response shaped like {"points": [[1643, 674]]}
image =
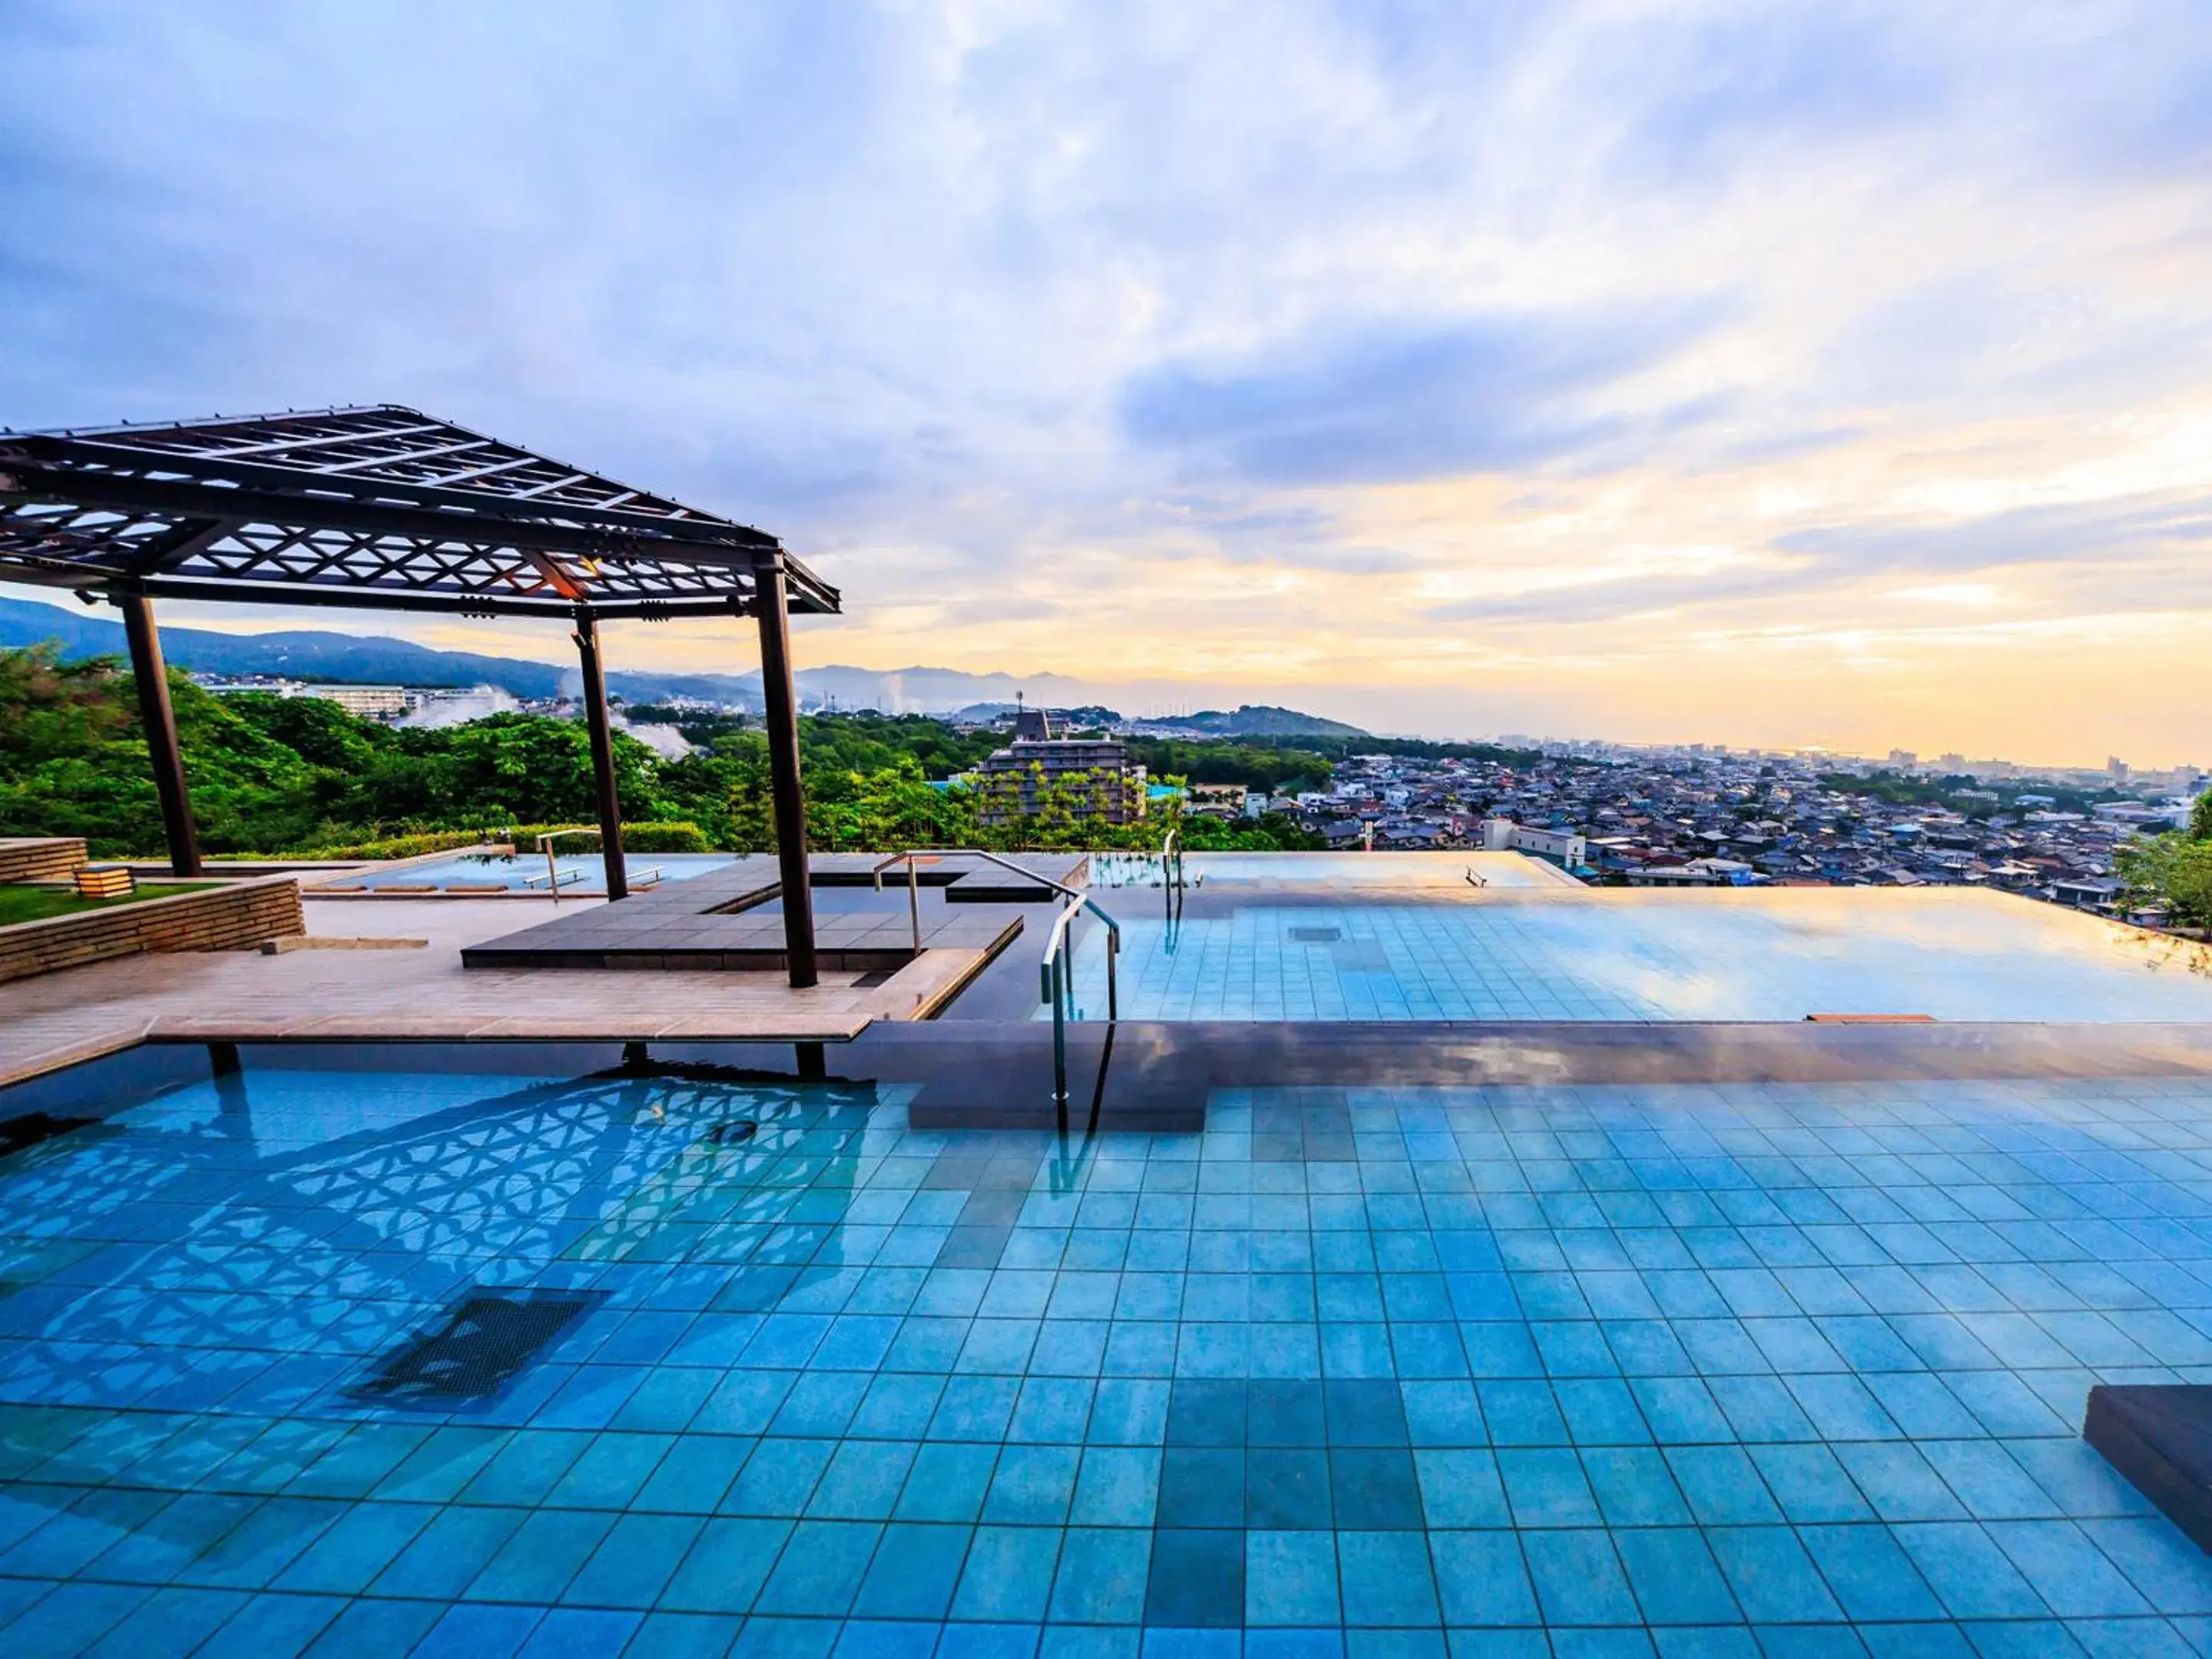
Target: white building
{"points": [[1564, 846], [2138, 815], [371, 701]]}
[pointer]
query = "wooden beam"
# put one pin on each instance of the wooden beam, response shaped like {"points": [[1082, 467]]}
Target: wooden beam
{"points": [[160, 719], [779, 701], [603, 754]]}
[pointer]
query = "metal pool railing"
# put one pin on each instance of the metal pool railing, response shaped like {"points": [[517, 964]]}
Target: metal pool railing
{"points": [[1055, 979], [1056, 985], [552, 870], [555, 878]]}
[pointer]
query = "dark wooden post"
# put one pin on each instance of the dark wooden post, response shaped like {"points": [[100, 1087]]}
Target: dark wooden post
{"points": [[159, 721], [779, 703], [603, 753]]}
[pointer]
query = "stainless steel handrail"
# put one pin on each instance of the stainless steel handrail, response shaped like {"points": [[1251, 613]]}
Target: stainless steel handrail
{"points": [[913, 892], [1041, 880], [914, 888], [1055, 983], [552, 871], [1171, 860]]}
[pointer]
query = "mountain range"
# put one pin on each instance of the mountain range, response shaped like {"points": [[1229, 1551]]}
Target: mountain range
{"points": [[301, 654], [378, 659]]}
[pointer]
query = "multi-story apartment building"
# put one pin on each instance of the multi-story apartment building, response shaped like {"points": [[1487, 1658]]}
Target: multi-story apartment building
{"points": [[1096, 771]]}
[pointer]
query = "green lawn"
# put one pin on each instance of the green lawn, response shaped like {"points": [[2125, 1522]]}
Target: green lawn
{"points": [[26, 902]]}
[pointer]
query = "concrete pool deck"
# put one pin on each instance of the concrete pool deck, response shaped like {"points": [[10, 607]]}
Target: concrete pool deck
{"points": [[417, 995]]}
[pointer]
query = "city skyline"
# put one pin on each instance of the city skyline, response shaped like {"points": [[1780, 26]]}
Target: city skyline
{"points": [[1826, 379]]}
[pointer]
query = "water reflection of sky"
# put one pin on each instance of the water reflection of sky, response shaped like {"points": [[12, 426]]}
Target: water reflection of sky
{"points": [[1618, 955], [579, 870], [1736, 1369], [252, 1212], [1333, 872]]}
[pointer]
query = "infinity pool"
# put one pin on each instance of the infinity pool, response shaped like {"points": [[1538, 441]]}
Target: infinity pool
{"points": [[1612, 954], [1497, 1373], [1334, 871]]}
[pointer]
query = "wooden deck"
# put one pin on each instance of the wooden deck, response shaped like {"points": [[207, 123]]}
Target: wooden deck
{"points": [[402, 995]]}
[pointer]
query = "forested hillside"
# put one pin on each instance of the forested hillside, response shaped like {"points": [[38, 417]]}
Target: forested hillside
{"points": [[272, 775]]}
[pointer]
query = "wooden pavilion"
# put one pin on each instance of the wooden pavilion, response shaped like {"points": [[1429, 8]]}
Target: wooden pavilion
{"points": [[384, 508]]}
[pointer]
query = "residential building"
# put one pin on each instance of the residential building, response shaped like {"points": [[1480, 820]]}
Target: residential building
{"points": [[1559, 846], [1217, 800], [1106, 784], [370, 702]]}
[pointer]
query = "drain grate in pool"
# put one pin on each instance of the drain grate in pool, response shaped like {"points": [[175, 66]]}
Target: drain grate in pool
{"points": [[732, 1132], [486, 1342], [1316, 935]]}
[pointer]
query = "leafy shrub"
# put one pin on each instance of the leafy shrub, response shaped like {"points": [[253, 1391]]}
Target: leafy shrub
{"points": [[652, 836], [674, 836], [404, 847]]}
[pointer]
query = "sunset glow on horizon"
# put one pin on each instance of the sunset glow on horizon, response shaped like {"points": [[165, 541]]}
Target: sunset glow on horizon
{"points": [[1828, 376]]}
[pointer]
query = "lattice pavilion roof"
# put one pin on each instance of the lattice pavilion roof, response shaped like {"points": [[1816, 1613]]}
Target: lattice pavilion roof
{"points": [[378, 506]]}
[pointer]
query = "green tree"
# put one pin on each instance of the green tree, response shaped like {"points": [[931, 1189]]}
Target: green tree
{"points": [[274, 775], [2172, 871], [1271, 832], [885, 811], [748, 806], [73, 761], [1285, 771], [51, 709], [504, 769]]}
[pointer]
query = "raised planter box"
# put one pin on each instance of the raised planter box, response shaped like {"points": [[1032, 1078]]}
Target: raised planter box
{"points": [[236, 917], [40, 857]]}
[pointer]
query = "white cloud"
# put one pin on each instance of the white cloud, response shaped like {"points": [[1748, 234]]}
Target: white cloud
{"points": [[1059, 334]]}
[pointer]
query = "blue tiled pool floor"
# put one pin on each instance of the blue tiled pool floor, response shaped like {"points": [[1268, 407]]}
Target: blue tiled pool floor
{"points": [[1730, 1370]]}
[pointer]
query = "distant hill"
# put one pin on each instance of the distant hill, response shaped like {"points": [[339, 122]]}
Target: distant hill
{"points": [[1267, 720], [1081, 716], [301, 655], [378, 659], [347, 659]]}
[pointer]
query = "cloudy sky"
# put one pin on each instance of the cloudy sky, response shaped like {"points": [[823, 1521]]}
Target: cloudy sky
{"points": [[1753, 373]]}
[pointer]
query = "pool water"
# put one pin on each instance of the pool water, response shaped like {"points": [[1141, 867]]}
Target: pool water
{"points": [[1333, 872], [1491, 1373], [1612, 954], [580, 872]]}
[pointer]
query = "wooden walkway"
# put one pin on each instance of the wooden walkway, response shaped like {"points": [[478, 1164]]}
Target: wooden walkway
{"points": [[425, 994]]}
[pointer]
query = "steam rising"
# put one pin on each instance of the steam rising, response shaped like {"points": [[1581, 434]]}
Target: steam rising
{"points": [[471, 705], [664, 741]]}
